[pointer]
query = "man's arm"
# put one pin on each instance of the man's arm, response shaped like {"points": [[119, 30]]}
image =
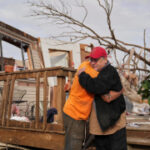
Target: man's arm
{"points": [[99, 85], [112, 95], [107, 80]]}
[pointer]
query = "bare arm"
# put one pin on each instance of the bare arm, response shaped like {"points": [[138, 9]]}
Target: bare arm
{"points": [[112, 95]]}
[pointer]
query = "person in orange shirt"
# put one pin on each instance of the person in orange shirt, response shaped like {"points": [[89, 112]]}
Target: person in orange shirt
{"points": [[77, 109]]}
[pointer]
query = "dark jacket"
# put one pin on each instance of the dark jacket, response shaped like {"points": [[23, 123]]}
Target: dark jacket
{"points": [[50, 115], [108, 79]]}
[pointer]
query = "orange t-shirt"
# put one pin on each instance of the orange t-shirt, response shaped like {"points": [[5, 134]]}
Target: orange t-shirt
{"points": [[78, 105]]}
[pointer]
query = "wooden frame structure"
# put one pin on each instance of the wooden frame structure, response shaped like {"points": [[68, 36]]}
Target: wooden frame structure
{"points": [[42, 134], [35, 134]]}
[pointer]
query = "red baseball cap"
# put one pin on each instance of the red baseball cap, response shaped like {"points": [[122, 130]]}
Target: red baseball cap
{"points": [[97, 52]]}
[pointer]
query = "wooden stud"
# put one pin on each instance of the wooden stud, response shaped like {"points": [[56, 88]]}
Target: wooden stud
{"points": [[53, 97], [60, 98], [31, 55], [37, 100], [22, 54], [70, 76], [10, 98], [2, 105], [5, 99], [1, 49], [1, 54], [71, 59], [29, 58], [45, 91]]}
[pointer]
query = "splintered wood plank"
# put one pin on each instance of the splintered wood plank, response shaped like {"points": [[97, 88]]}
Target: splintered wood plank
{"points": [[30, 58], [5, 99], [138, 137], [2, 104], [71, 63], [37, 100], [10, 98], [53, 71], [70, 76], [50, 128], [138, 141], [53, 97], [24, 74], [60, 98], [45, 92], [43, 140]]}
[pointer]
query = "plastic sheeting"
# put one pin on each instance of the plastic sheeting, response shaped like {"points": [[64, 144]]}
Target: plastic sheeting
{"points": [[59, 59]]}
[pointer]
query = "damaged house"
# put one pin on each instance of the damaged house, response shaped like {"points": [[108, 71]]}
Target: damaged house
{"points": [[28, 89], [32, 87]]}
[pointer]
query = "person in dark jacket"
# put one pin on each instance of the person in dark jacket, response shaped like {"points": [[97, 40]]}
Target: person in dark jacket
{"points": [[108, 113]]}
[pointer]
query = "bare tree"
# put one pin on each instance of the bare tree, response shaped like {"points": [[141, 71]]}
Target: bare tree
{"points": [[77, 29]]}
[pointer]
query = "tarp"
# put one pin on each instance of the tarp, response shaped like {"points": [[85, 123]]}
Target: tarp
{"points": [[59, 59]]}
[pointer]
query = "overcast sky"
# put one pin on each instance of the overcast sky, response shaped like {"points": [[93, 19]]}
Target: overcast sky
{"points": [[129, 19]]}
